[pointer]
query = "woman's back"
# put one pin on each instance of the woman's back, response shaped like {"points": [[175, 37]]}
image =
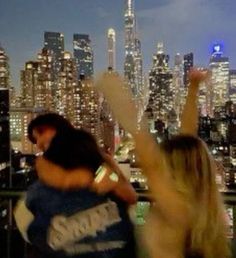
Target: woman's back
{"points": [[162, 239]]}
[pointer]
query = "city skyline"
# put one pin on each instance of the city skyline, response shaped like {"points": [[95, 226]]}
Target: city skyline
{"points": [[156, 22]]}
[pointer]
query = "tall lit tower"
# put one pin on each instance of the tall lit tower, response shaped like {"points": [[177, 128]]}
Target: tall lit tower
{"points": [[130, 34], [67, 83], [89, 108], [111, 44], [37, 81], [29, 82], [188, 64], [232, 90], [178, 86], [44, 97], [54, 41], [83, 54], [219, 66], [4, 139], [138, 61], [161, 94], [4, 70]]}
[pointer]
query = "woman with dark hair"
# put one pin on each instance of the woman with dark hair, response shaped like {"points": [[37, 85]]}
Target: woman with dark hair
{"points": [[77, 223], [43, 129]]}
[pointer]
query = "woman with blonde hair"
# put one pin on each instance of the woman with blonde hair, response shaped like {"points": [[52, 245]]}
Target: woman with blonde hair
{"points": [[187, 220]]}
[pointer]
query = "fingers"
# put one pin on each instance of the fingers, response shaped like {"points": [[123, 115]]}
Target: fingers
{"points": [[199, 75]]}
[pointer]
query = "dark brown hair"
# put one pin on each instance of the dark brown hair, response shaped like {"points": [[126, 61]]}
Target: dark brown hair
{"points": [[75, 148], [53, 120]]}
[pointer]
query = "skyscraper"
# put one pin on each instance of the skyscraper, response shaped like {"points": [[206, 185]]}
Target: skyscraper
{"points": [[5, 174], [178, 85], [89, 108], [29, 81], [83, 54], [4, 138], [111, 45], [55, 41], [188, 64], [138, 67], [4, 69], [232, 89], [45, 80], [67, 83], [133, 57], [37, 81], [219, 66], [161, 93]]}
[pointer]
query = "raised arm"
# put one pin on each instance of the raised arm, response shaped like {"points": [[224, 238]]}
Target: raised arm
{"points": [[123, 189], [124, 109], [56, 176], [170, 203], [189, 119]]}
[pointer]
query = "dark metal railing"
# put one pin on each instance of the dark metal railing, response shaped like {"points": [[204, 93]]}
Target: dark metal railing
{"points": [[13, 246]]}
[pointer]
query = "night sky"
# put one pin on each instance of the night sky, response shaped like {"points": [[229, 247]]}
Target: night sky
{"points": [[183, 26]]}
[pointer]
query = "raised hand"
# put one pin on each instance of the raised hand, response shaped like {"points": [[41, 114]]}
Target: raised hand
{"points": [[119, 98], [189, 119], [197, 76]]}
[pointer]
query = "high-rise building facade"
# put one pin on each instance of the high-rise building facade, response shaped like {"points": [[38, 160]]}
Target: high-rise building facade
{"points": [[15, 129], [232, 88], [20, 118], [219, 67], [5, 172], [178, 85], [38, 81], [138, 72], [29, 81], [83, 54], [111, 49], [133, 57], [4, 69], [4, 138], [27, 115], [89, 108], [188, 64], [67, 83], [54, 41], [129, 66], [161, 93], [45, 80]]}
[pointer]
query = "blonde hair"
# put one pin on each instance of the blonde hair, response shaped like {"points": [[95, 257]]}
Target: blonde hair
{"points": [[193, 171]]}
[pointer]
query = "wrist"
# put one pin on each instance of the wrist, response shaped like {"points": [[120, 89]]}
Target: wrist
{"points": [[194, 85], [102, 172]]}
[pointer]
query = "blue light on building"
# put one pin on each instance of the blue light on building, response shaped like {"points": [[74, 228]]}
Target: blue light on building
{"points": [[217, 49]]}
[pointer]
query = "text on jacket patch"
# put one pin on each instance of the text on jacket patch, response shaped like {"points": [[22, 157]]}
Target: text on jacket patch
{"points": [[64, 231]]}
